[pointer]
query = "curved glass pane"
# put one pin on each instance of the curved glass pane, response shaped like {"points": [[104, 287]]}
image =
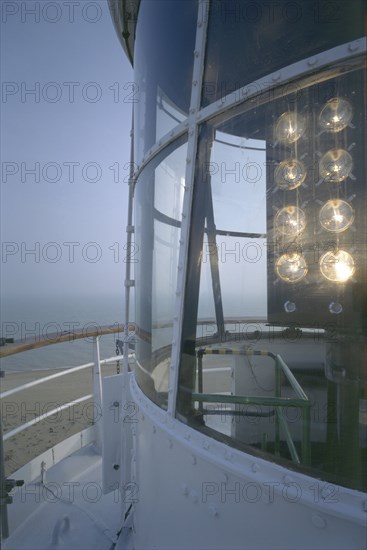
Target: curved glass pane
{"points": [[278, 260], [158, 207], [163, 62], [264, 36]]}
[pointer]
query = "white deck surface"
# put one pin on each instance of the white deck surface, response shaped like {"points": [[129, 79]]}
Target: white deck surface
{"points": [[68, 511]]}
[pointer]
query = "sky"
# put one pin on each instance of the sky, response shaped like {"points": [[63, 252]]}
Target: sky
{"points": [[65, 149]]}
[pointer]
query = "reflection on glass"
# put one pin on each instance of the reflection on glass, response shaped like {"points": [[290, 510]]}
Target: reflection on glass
{"points": [[289, 307], [337, 267], [336, 215], [291, 268], [335, 308], [336, 115], [290, 221], [290, 174], [336, 165], [158, 206], [290, 127]]}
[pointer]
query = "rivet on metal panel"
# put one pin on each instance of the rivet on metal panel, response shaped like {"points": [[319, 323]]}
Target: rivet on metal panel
{"points": [[287, 480], [353, 47], [255, 467], [213, 510], [318, 521], [313, 61]]}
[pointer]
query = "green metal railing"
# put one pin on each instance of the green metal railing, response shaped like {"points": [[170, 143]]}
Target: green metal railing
{"points": [[277, 402]]}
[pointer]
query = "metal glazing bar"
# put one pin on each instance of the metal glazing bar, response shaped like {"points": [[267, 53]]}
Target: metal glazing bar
{"points": [[192, 146]]}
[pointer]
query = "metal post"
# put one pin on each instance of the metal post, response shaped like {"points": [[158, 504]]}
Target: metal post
{"points": [[278, 374], [97, 394], [4, 526], [306, 430], [129, 234], [200, 354]]}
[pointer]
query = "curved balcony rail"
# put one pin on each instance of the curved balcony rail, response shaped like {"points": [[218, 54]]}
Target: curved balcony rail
{"points": [[12, 347]]}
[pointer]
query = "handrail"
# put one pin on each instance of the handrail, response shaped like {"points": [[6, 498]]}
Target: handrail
{"points": [[26, 344], [56, 375], [291, 378], [43, 416], [278, 401], [250, 400]]}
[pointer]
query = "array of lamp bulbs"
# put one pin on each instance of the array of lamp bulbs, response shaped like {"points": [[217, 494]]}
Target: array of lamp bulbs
{"points": [[336, 215]]}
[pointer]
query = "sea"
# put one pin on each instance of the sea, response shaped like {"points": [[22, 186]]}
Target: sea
{"points": [[40, 316]]}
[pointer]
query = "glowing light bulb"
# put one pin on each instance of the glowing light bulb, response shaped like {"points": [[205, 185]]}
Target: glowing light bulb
{"points": [[336, 165], [290, 221], [336, 215], [336, 115], [291, 268], [337, 267], [290, 174], [290, 127]]}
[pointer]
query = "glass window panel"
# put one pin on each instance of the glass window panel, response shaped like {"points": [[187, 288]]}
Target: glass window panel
{"points": [[285, 261], [237, 171], [163, 62], [264, 36], [158, 207], [243, 277]]}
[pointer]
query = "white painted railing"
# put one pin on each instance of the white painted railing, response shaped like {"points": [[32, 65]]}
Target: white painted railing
{"points": [[97, 397]]}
